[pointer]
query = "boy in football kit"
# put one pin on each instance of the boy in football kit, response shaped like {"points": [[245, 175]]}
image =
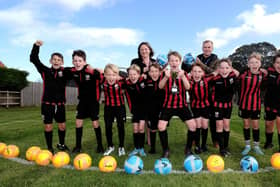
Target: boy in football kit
{"points": [[223, 85], [114, 107], [154, 100], [250, 101], [272, 101], [88, 82], [53, 98], [199, 95], [175, 84]]}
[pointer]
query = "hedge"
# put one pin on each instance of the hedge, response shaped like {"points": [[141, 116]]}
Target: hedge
{"points": [[12, 79]]}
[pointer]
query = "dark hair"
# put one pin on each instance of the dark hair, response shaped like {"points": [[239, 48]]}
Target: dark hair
{"points": [[149, 46], [57, 54], [174, 53], [199, 65], [277, 55], [155, 65], [79, 53]]}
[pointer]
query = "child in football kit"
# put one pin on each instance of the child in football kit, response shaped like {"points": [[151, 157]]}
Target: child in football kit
{"points": [[272, 101], [223, 85], [250, 101], [114, 107], [199, 94], [134, 86], [154, 100], [88, 82], [53, 99], [175, 84]]}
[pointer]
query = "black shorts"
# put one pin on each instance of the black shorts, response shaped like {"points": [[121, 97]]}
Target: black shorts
{"points": [[249, 114], [222, 113], [271, 113], [183, 113], [201, 112], [153, 121], [50, 112], [88, 109], [138, 113], [112, 112]]}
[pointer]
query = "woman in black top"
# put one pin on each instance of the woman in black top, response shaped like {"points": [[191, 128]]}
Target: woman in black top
{"points": [[145, 57]]}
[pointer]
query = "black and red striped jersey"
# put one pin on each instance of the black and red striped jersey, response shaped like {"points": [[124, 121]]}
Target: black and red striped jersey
{"points": [[250, 90], [272, 85], [88, 83], [175, 93], [54, 80], [223, 90], [113, 94], [134, 94], [199, 92]]}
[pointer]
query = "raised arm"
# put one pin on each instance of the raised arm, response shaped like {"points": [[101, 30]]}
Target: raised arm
{"points": [[34, 56]]}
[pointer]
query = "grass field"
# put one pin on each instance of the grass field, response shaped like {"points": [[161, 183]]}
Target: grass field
{"points": [[23, 127]]}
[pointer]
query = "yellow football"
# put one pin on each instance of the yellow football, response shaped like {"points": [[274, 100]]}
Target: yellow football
{"points": [[107, 164]]}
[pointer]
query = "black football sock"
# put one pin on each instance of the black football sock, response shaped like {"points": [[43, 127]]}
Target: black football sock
{"points": [[109, 134], [212, 124], [246, 133], [220, 137], [141, 140], [204, 134], [190, 138], [79, 134], [226, 138], [98, 136], [256, 135], [135, 140], [121, 133], [48, 137], [61, 136], [153, 139], [268, 136], [197, 137], [163, 139]]}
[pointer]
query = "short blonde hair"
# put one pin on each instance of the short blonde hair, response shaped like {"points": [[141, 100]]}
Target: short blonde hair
{"points": [[255, 55], [111, 67], [135, 68]]}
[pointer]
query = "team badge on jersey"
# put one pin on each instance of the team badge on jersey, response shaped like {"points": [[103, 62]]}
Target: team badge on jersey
{"points": [[231, 80], [116, 86], [201, 83], [87, 77], [142, 85], [216, 114], [60, 73]]}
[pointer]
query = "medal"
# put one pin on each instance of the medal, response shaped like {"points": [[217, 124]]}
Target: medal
{"points": [[174, 88]]}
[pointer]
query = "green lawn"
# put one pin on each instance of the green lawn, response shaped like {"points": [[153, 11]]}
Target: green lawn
{"points": [[23, 127]]}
